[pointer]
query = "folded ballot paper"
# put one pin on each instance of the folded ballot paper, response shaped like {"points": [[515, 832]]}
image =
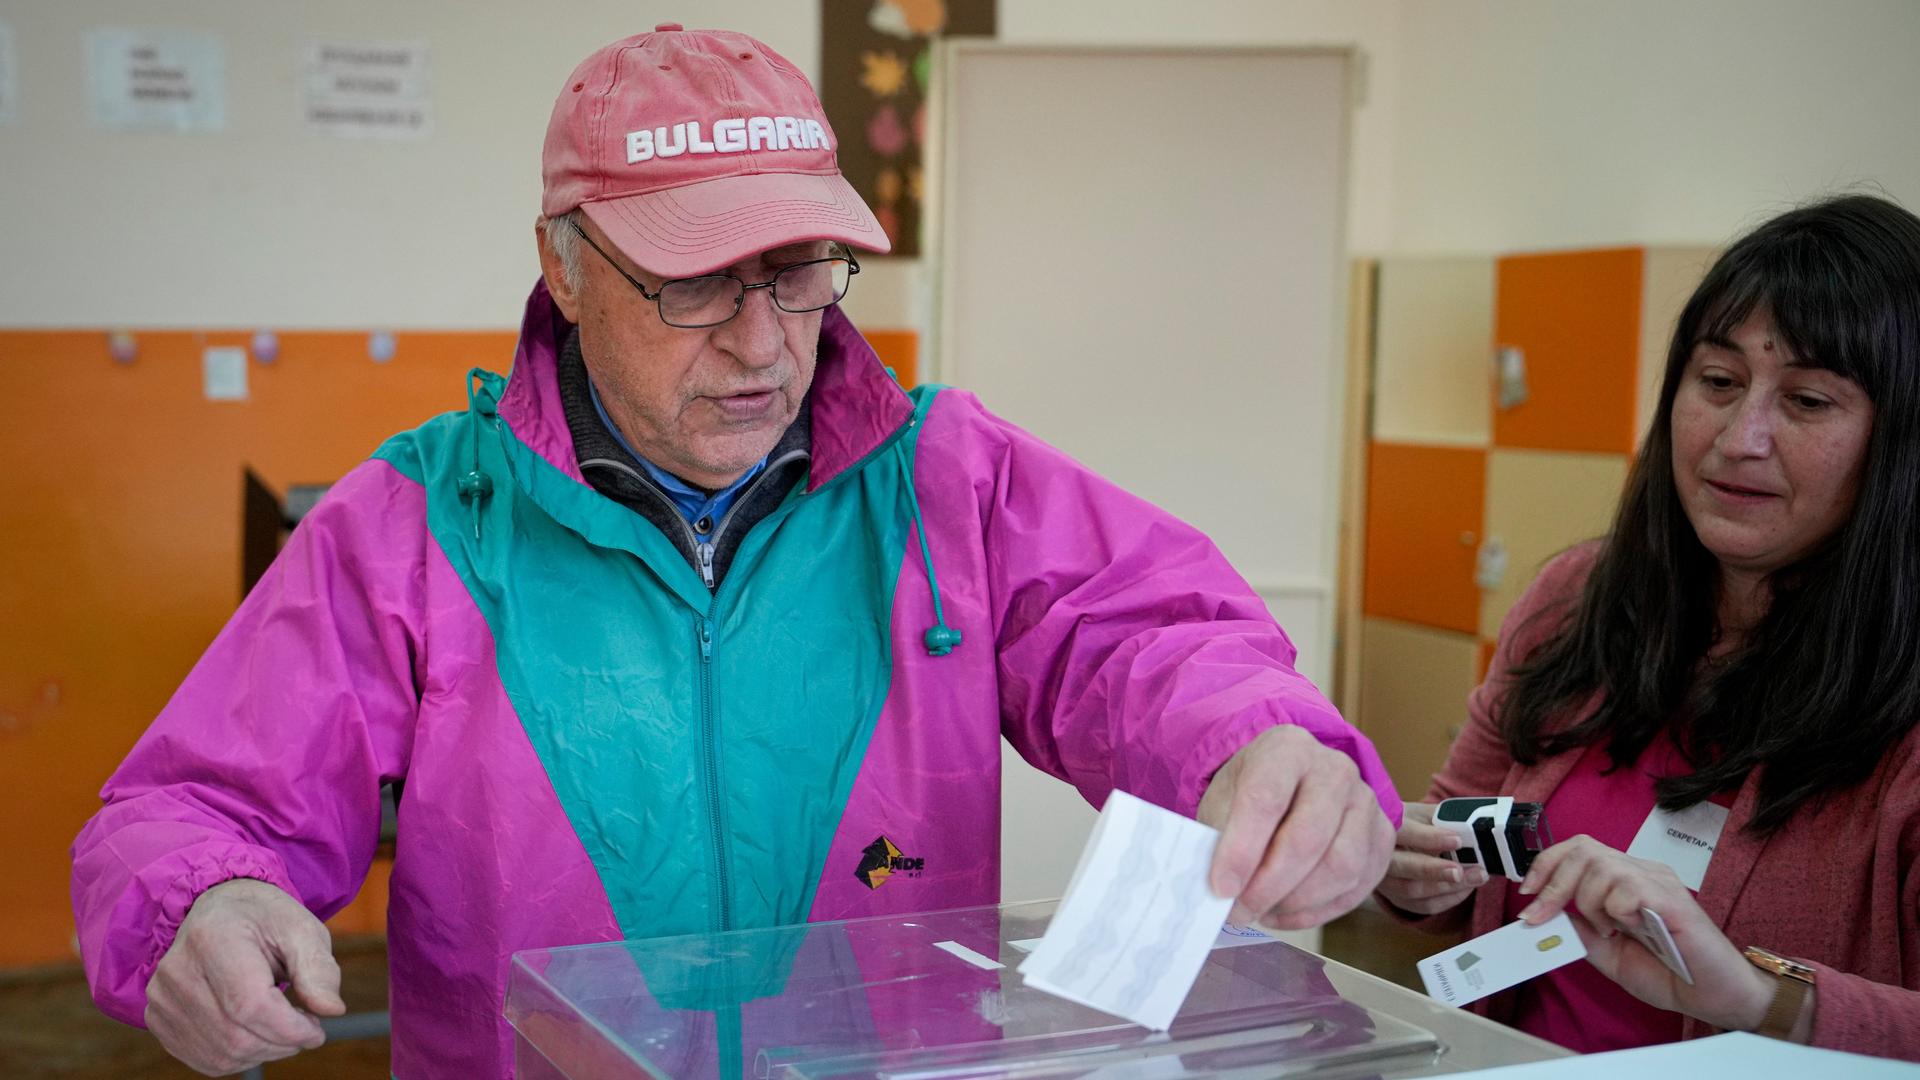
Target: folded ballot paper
{"points": [[1138, 919]]}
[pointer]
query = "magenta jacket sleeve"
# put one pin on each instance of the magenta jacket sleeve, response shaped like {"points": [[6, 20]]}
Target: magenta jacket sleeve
{"points": [[267, 763], [1130, 654]]}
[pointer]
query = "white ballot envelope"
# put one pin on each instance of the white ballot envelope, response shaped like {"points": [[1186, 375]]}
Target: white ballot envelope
{"points": [[1138, 919], [1506, 957]]}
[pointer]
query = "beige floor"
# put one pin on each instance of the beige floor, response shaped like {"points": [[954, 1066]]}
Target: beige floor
{"points": [[50, 1028]]}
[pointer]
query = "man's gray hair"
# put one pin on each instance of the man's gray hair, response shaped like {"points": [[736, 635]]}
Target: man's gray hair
{"points": [[566, 247]]}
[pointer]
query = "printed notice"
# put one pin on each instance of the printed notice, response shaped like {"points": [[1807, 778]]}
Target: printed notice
{"points": [[367, 90], [157, 80], [9, 77], [223, 372]]}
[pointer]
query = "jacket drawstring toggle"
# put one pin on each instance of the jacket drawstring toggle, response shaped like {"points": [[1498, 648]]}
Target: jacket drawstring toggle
{"points": [[483, 398], [940, 639]]}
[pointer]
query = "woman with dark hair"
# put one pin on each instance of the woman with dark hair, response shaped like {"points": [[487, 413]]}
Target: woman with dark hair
{"points": [[1717, 700]]}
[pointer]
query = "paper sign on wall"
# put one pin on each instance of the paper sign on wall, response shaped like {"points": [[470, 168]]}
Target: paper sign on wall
{"points": [[223, 371], [157, 80], [377, 90], [9, 77]]}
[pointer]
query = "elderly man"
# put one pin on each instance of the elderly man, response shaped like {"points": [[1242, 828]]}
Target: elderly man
{"points": [[673, 629]]}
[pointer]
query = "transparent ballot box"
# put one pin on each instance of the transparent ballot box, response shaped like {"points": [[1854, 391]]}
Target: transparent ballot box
{"points": [[886, 997]]}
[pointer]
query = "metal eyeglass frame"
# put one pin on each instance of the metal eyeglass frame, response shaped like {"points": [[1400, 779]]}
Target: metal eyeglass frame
{"points": [[740, 301]]}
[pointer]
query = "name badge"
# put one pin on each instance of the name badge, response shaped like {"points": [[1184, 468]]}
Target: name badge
{"points": [[1683, 840]]}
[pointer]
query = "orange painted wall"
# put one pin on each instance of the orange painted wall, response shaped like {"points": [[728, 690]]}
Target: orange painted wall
{"points": [[1576, 315], [899, 350], [120, 520], [1424, 509], [119, 548]]}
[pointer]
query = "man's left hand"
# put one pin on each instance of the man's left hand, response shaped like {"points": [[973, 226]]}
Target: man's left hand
{"points": [[1302, 837]]}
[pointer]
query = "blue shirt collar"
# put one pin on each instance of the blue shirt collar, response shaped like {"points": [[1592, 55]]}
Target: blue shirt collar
{"points": [[698, 506]]}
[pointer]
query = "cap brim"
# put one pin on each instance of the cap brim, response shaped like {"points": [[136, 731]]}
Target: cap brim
{"points": [[698, 228]]}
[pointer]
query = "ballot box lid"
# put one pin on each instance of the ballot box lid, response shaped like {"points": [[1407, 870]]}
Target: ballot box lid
{"points": [[936, 995]]}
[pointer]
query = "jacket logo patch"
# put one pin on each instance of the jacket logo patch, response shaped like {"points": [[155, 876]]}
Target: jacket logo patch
{"points": [[881, 860]]}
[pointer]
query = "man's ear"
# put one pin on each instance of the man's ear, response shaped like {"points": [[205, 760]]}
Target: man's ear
{"points": [[551, 268]]}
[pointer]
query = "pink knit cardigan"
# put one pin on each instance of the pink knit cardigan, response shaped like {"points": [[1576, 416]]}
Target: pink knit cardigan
{"points": [[1838, 887]]}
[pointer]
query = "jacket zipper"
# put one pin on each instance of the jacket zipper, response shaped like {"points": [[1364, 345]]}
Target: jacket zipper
{"points": [[709, 751], [705, 550], [710, 764], [703, 632], [709, 722]]}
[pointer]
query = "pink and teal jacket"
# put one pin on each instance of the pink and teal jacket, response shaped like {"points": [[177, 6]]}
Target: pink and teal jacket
{"points": [[594, 746]]}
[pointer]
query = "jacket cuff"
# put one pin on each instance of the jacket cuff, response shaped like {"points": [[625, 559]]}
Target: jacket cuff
{"points": [[171, 895], [1213, 752]]}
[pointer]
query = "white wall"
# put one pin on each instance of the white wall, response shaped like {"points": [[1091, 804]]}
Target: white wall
{"points": [[1482, 126], [1523, 124], [269, 225]]}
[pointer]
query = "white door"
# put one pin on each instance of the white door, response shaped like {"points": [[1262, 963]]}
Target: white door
{"points": [[1139, 258]]}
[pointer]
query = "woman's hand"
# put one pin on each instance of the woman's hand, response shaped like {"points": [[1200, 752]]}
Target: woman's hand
{"points": [[1423, 878], [1608, 888]]}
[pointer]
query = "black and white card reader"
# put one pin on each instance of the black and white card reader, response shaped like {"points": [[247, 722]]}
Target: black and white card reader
{"points": [[1496, 832]]}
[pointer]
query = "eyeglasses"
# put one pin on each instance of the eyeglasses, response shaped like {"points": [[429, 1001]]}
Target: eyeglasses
{"points": [[711, 299]]}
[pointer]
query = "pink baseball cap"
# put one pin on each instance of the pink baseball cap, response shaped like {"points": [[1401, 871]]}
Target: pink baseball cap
{"points": [[694, 149]]}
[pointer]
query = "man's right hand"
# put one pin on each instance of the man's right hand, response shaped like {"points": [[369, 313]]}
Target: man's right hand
{"points": [[1423, 879], [213, 1001]]}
